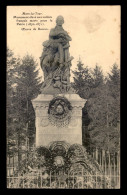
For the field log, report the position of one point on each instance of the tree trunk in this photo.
(86, 136)
(107, 117)
(19, 131)
(19, 150)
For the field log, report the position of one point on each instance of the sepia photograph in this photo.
(63, 96)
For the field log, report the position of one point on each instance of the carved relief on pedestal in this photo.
(44, 122)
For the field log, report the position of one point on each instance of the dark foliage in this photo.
(102, 109)
(23, 85)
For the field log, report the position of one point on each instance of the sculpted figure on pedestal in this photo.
(55, 58)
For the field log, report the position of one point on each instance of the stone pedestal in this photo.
(46, 132)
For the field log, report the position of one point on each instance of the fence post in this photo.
(37, 180)
(103, 154)
(97, 154)
(9, 159)
(100, 157)
(13, 163)
(82, 177)
(18, 179)
(114, 176)
(110, 168)
(41, 179)
(105, 165)
(50, 179)
(68, 178)
(96, 179)
(73, 179)
(23, 180)
(118, 168)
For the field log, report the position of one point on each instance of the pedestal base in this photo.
(46, 132)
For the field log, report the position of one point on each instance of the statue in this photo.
(55, 58)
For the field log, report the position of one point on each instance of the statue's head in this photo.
(59, 20)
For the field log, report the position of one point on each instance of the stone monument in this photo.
(58, 108)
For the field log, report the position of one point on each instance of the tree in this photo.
(98, 77)
(106, 113)
(23, 85)
(83, 81)
(29, 86)
(12, 63)
(102, 107)
(106, 138)
(83, 86)
(88, 83)
(113, 82)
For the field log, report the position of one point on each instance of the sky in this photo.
(95, 33)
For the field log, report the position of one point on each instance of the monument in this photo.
(58, 108)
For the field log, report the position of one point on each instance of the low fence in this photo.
(12, 160)
(110, 163)
(81, 181)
